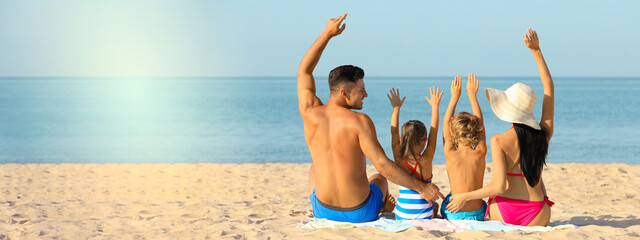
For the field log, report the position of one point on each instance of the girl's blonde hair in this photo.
(465, 129)
(413, 132)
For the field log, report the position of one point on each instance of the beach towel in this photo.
(442, 225)
(464, 225)
(389, 224)
(386, 222)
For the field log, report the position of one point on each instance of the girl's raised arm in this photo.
(434, 101)
(396, 103)
(546, 121)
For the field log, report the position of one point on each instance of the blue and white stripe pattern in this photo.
(411, 205)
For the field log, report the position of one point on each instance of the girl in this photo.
(519, 153)
(406, 152)
(464, 148)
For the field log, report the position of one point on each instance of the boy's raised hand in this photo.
(472, 84)
(531, 39)
(395, 98)
(455, 86)
(436, 95)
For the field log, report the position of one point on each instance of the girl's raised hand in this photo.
(436, 95)
(395, 98)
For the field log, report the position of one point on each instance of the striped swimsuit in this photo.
(410, 204)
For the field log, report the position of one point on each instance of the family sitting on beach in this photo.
(339, 139)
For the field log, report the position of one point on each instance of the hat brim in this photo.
(507, 111)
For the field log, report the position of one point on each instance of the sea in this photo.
(256, 120)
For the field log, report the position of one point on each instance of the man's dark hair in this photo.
(344, 76)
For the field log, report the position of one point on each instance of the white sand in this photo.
(262, 201)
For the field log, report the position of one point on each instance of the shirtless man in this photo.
(339, 139)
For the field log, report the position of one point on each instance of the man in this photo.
(339, 139)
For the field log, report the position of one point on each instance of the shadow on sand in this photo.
(602, 220)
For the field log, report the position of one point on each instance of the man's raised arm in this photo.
(306, 85)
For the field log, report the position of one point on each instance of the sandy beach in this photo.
(265, 201)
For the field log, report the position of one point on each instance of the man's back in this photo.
(340, 167)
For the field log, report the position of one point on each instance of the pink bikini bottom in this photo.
(516, 211)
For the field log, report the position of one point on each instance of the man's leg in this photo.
(389, 201)
(312, 179)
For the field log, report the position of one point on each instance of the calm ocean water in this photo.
(256, 120)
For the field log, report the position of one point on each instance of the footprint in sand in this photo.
(19, 219)
(147, 215)
(194, 218)
(256, 215)
(296, 213)
(261, 221)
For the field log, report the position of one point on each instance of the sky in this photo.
(268, 38)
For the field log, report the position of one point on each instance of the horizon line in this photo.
(272, 76)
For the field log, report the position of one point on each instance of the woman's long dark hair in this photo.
(533, 151)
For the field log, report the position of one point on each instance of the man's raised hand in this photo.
(333, 27)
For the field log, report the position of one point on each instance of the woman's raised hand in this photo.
(531, 39)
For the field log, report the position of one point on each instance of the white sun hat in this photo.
(514, 105)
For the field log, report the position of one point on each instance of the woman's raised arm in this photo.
(546, 121)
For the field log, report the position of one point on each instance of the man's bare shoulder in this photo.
(362, 119)
(349, 115)
(313, 113)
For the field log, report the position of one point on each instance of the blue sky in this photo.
(269, 38)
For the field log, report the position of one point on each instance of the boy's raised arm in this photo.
(306, 84)
(473, 84)
(455, 96)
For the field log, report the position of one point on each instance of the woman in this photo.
(517, 193)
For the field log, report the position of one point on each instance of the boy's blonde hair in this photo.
(465, 129)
